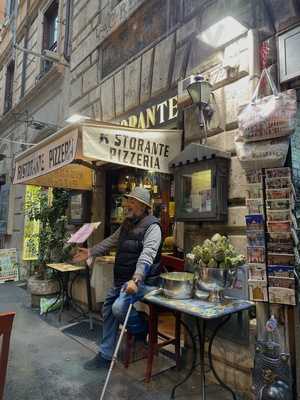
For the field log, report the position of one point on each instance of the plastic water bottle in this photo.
(271, 339)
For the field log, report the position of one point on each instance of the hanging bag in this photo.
(268, 117)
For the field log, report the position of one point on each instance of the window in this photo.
(50, 33)
(4, 204)
(51, 27)
(9, 7)
(9, 86)
(151, 21)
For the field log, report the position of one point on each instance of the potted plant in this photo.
(215, 264)
(50, 211)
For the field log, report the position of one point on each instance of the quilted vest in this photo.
(130, 246)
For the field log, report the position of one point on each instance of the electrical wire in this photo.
(16, 142)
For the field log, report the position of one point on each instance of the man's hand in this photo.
(130, 287)
(81, 255)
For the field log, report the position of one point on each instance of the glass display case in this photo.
(79, 210)
(201, 190)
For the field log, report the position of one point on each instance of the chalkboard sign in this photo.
(9, 269)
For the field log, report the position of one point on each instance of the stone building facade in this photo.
(126, 59)
(33, 95)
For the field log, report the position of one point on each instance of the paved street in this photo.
(45, 364)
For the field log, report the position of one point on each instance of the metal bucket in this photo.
(212, 282)
(177, 285)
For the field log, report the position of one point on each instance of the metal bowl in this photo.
(177, 285)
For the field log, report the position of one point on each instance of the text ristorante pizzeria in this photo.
(136, 151)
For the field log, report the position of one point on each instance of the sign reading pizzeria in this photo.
(55, 155)
(150, 150)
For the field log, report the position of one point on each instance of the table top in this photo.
(63, 267)
(200, 308)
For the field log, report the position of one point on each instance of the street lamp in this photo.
(200, 91)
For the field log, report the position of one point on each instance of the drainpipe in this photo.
(25, 54)
(69, 7)
(60, 19)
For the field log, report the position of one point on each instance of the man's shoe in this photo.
(98, 362)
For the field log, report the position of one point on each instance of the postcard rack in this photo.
(271, 226)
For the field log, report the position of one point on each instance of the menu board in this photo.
(84, 233)
(9, 270)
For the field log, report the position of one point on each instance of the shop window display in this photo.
(123, 180)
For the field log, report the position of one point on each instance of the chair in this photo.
(6, 321)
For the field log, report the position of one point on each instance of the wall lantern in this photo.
(200, 91)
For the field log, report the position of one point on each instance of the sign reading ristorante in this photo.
(153, 115)
(48, 158)
(150, 150)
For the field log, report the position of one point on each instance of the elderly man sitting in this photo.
(138, 242)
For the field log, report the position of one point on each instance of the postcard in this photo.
(283, 271)
(282, 296)
(256, 255)
(288, 283)
(284, 172)
(279, 226)
(278, 215)
(255, 206)
(258, 290)
(255, 221)
(257, 272)
(255, 238)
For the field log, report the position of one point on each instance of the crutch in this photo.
(114, 357)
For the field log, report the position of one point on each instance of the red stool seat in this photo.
(154, 346)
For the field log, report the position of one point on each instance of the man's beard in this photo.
(130, 222)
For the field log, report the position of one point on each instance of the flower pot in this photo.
(211, 283)
(41, 288)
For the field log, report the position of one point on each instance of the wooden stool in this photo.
(6, 321)
(154, 346)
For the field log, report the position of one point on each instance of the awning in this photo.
(196, 152)
(67, 158)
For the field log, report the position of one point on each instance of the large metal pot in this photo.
(212, 282)
(177, 285)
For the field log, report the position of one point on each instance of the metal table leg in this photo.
(75, 305)
(190, 372)
(218, 327)
(89, 295)
(60, 292)
(201, 326)
(64, 278)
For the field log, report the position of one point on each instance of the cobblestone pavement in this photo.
(45, 364)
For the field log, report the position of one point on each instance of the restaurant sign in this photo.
(56, 154)
(150, 150)
(152, 115)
